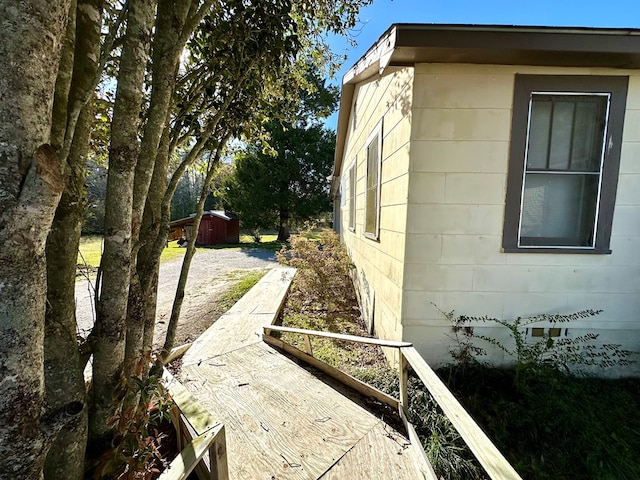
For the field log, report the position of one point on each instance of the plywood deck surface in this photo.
(283, 421)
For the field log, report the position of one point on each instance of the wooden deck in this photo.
(284, 421)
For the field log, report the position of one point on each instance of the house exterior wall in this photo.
(460, 137)
(379, 263)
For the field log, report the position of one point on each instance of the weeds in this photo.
(442, 443)
(549, 423)
(568, 354)
(243, 280)
(137, 438)
(322, 281)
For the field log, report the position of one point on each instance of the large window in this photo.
(352, 197)
(563, 170)
(372, 207)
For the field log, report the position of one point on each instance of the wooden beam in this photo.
(199, 418)
(338, 336)
(189, 457)
(218, 457)
(346, 379)
(415, 439)
(404, 381)
(494, 463)
(307, 344)
(177, 352)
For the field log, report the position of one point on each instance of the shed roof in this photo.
(405, 44)
(210, 213)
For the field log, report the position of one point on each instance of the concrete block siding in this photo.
(459, 165)
(446, 133)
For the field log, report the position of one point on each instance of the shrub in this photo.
(323, 278)
(137, 438)
(566, 354)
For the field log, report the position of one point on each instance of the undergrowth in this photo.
(136, 452)
(548, 417)
(553, 425)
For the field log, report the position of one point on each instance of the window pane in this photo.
(352, 197)
(372, 187)
(539, 134)
(558, 210)
(566, 132)
(587, 138)
(561, 130)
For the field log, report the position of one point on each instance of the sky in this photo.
(378, 17)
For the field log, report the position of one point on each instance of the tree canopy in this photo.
(282, 179)
(273, 189)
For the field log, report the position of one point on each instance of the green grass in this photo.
(91, 251)
(264, 238)
(243, 281)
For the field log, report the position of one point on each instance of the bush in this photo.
(136, 452)
(549, 423)
(323, 279)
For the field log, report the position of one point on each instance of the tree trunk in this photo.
(31, 183)
(188, 256)
(64, 379)
(148, 265)
(165, 54)
(283, 231)
(109, 353)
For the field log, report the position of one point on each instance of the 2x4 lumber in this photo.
(177, 352)
(346, 379)
(218, 457)
(189, 457)
(493, 462)
(339, 336)
(404, 381)
(197, 416)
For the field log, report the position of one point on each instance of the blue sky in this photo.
(377, 17)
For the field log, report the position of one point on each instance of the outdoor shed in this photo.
(216, 227)
(493, 171)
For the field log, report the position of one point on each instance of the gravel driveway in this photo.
(207, 276)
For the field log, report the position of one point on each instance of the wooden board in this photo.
(281, 421)
(382, 454)
(494, 463)
(242, 324)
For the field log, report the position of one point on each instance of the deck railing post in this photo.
(218, 457)
(404, 379)
(307, 344)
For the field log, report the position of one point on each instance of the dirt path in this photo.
(208, 276)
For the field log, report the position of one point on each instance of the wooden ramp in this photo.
(284, 421)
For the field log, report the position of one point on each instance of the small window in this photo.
(354, 116)
(352, 197)
(563, 170)
(374, 156)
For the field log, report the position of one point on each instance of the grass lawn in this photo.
(264, 238)
(91, 251)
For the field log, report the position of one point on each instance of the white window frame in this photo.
(603, 143)
(352, 196)
(374, 136)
